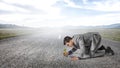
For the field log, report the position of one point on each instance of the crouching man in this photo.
(85, 45)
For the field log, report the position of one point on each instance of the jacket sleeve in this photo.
(71, 51)
(82, 54)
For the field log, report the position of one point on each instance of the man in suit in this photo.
(86, 45)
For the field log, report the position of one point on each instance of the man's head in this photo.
(68, 41)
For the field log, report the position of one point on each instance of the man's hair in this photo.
(66, 39)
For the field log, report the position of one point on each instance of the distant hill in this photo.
(110, 26)
(117, 25)
(10, 26)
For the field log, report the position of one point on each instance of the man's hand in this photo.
(65, 54)
(74, 58)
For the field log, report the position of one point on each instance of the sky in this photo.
(57, 13)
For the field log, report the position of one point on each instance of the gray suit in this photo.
(85, 44)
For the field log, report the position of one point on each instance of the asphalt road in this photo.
(44, 50)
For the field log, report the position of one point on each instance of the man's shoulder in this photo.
(77, 35)
(87, 33)
(92, 33)
(84, 35)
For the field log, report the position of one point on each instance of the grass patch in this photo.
(7, 33)
(113, 34)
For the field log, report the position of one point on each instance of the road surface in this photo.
(45, 50)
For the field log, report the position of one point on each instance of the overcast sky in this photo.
(39, 13)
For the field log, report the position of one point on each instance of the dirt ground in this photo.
(45, 50)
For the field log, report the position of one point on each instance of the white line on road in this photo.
(59, 37)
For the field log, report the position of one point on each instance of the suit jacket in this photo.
(83, 44)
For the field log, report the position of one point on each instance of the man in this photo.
(87, 45)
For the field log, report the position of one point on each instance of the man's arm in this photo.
(71, 51)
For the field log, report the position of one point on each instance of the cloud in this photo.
(57, 13)
(5, 12)
(26, 12)
(32, 9)
(105, 19)
(30, 19)
(106, 5)
(8, 7)
(44, 5)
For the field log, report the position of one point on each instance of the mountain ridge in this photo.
(117, 25)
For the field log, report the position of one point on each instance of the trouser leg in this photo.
(96, 40)
(102, 48)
